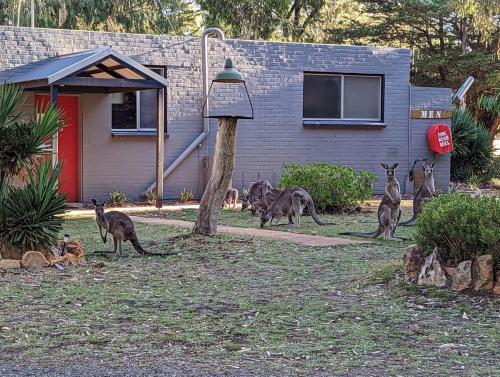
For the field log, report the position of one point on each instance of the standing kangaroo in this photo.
(389, 210)
(119, 225)
(231, 197)
(291, 202)
(423, 195)
(256, 192)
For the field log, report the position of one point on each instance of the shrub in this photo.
(150, 197)
(117, 199)
(472, 152)
(30, 215)
(185, 196)
(333, 187)
(492, 171)
(461, 226)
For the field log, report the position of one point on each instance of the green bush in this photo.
(333, 187)
(461, 226)
(185, 196)
(30, 215)
(117, 199)
(492, 171)
(472, 153)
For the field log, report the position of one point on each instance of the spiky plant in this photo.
(29, 213)
(21, 143)
(472, 150)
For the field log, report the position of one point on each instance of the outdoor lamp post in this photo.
(224, 155)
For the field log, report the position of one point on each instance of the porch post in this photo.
(160, 147)
(53, 101)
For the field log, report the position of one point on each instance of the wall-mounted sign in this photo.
(430, 114)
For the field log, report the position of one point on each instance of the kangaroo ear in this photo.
(94, 202)
(395, 165)
(432, 165)
(384, 166)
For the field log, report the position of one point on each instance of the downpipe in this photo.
(206, 122)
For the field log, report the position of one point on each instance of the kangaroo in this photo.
(230, 198)
(256, 192)
(291, 202)
(119, 225)
(411, 174)
(389, 210)
(266, 201)
(423, 195)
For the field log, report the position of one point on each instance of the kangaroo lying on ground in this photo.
(291, 202)
(389, 210)
(119, 225)
(230, 198)
(256, 192)
(423, 195)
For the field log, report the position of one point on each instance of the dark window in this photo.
(335, 96)
(136, 111)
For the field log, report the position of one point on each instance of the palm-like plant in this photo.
(29, 213)
(472, 151)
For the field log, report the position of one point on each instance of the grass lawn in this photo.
(231, 303)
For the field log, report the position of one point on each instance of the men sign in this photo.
(430, 114)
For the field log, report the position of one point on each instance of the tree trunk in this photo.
(222, 171)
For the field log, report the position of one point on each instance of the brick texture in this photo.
(274, 73)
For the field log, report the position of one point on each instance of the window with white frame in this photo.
(136, 111)
(342, 96)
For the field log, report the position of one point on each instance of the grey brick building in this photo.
(313, 102)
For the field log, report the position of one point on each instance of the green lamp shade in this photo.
(229, 74)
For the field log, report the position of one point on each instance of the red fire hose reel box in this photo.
(439, 138)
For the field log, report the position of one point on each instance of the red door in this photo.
(67, 146)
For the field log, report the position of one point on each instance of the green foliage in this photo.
(30, 214)
(185, 196)
(334, 187)
(150, 197)
(461, 226)
(21, 143)
(117, 199)
(472, 152)
(135, 16)
(492, 172)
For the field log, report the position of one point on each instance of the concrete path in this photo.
(302, 239)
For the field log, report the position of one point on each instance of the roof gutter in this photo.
(206, 122)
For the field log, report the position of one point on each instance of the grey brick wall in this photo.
(274, 73)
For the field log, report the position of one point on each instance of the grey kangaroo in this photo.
(119, 225)
(231, 198)
(266, 201)
(256, 192)
(291, 202)
(423, 195)
(389, 210)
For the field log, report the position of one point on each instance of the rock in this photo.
(432, 273)
(482, 273)
(450, 271)
(412, 259)
(496, 288)
(462, 279)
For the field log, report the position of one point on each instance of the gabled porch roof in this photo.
(100, 70)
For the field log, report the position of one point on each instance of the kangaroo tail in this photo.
(375, 234)
(410, 222)
(314, 215)
(137, 246)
